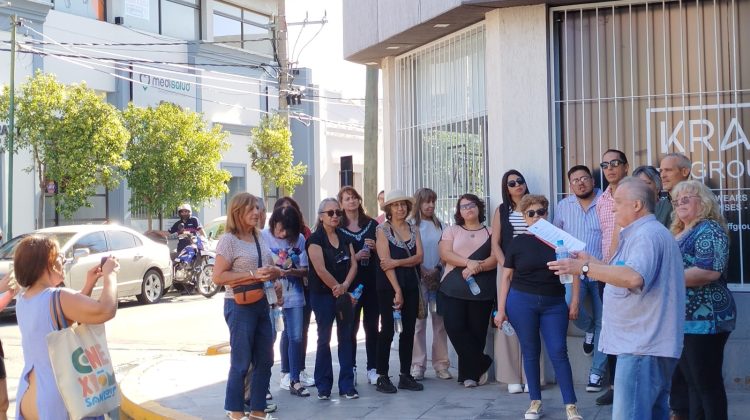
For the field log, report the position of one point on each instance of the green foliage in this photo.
(174, 157)
(272, 155)
(75, 137)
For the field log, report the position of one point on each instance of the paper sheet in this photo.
(550, 234)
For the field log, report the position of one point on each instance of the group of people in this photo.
(648, 291)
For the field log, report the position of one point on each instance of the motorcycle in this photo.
(193, 267)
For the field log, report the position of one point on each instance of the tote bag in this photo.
(83, 369)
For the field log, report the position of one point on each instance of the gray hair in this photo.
(322, 206)
(682, 161)
(639, 191)
(651, 173)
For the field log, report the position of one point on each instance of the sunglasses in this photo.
(341, 257)
(467, 206)
(683, 201)
(581, 180)
(331, 213)
(613, 163)
(540, 212)
(519, 181)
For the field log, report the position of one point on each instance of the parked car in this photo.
(145, 266)
(214, 229)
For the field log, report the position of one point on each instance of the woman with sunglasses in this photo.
(534, 300)
(507, 223)
(400, 250)
(711, 313)
(467, 251)
(331, 275)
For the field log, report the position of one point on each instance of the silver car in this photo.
(145, 266)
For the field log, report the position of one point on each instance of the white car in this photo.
(214, 229)
(145, 266)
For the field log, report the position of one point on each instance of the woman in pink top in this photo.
(467, 252)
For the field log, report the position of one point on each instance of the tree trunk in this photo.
(150, 221)
(42, 190)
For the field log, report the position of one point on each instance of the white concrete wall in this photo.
(388, 146)
(517, 98)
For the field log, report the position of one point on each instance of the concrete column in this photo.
(388, 74)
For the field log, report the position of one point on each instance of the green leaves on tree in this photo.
(272, 155)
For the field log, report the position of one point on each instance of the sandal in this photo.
(297, 389)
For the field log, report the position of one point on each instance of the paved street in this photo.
(159, 351)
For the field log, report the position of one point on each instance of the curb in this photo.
(216, 349)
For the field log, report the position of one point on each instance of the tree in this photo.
(76, 139)
(272, 155)
(174, 158)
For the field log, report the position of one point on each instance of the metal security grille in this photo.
(650, 78)
(441, 119)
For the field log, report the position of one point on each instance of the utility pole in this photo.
(12, 121)
(370, 176)
(281, 33)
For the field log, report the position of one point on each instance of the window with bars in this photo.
(654, 78)
(441, 119)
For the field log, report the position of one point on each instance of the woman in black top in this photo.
(359, 228)
(400, 251)
(534, 300)
(331, 274)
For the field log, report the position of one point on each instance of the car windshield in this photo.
(8, 248)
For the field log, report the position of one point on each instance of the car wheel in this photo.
(152, 287)
(206, 286)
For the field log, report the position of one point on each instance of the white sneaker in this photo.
(470, 383)
(306, 380)
(534, 411)
(417, 372)
(526, 388)
(515, 388)
(372, 376)
(285, 382)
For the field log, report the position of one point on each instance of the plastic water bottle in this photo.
(270, 292)
(357, 293)
(561, 252)
(432, 301)
(278, 318)
(398, 325)
(364, 262)
(505, 326)
(473, 286)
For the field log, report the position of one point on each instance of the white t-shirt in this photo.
(430, 235)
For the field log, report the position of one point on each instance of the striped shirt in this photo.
(582, 223)
(605, 210)
(518, 223)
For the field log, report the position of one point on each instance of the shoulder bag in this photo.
(247, 294)
(81, 364)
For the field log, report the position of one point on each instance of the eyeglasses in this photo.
(518, 181)
(331, 213)
(467, 206)
(683, 201)
(581, 180)
(539, 212)
(613, 163)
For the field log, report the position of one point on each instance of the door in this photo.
(122, 245)
(96, 243)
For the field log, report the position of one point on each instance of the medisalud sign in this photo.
(715, 138)
(152, 86)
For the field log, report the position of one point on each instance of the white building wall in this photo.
(517, 98)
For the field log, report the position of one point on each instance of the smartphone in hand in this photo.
(101, 264)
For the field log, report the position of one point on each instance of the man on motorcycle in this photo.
(188, 223)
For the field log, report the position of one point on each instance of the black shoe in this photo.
(385, 385)
(588, 344)
(408, 382)
(351, 395)
(606, 398)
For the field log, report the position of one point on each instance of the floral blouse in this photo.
(709, 309)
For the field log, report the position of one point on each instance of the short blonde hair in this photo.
(709, 205)
(529, 200)
(237, 209)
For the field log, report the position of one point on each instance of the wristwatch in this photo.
(584, 271)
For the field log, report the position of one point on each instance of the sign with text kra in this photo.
(714, 137)
(153, 86)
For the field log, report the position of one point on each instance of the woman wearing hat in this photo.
(400, 250)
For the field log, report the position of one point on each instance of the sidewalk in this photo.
(192, 387)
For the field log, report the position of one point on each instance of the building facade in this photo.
(472, 89)
(209, 56)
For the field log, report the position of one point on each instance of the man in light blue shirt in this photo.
(644, 313)
(576, 214)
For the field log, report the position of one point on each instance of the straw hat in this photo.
(394, 196)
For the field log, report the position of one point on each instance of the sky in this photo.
(324, 54)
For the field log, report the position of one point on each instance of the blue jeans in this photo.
(642, 386)
(251, 340)
(324, 307)
(292, 352)
(590, 322)
(529, 314)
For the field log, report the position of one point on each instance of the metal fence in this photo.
(441, 119)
